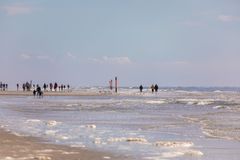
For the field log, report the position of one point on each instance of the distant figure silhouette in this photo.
(152, 88)
(141, 88)
(34, 92)
(39, 91)
(156, 88)
(55, 86)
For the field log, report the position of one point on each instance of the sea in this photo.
(176, 123)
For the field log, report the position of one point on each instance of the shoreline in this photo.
(58, 93)
(31, 148)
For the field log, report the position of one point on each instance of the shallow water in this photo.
(172, 124)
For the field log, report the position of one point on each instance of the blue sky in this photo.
(172, 43)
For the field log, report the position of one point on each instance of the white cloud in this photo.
(25, 56)
(228, 18)
(113, 60)
(70, 55)
(16, 9)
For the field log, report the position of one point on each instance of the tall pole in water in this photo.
(116, 84)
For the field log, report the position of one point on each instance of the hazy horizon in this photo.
(87, 43)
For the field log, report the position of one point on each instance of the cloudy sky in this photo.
(172, 43)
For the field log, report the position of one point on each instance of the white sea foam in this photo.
(62, 137)
(79, 145)
(121, 139)
(33, 121)
(72, 105)
(199, 102)
(97, 141)
(51, 132)
(52, 123)
(172, 154)
(137, 140)
(156, 102)
(174, 144)
(130, 139)
(193, 153)
(220, 107)
(69, 153)
(44, 151)
(93, 126)
(217, 91)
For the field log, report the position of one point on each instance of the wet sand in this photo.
(28, 148)
(53, 93)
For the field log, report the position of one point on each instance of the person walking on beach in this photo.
(34, 92)
(152, 88)
(17, 87)
(44, 86)
(39, 91)
(156, 88)
(141, 88)
(51, 86)
(3, 86)
(55, 86)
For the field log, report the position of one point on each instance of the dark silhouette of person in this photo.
(17, 87)
(156, 88)
(3, 86)
(44, 86)
(152, 88)
(141, 88)
(51, 86)
(39, 91)
(34, 92)
(55, 86)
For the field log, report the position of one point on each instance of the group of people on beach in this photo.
(3, 86)
(46, 87)
(37, 90)
(153, 87)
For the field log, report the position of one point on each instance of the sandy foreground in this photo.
(14, 147)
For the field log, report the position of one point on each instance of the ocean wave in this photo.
(199, 102)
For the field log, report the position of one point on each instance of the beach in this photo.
(173, 124)
(53, 93)
(25, 147)
(29, 148)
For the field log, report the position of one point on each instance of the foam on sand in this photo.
(51, 132)
(174, 144)
(33, 121)
(93, 126)
(136, 139)
(156, 102)
(130, 139)
(178, 149)
(220, 107)
(52, 123)
(199, 102)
